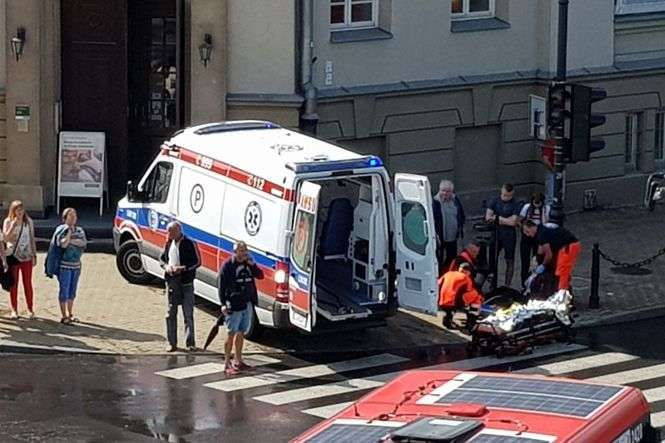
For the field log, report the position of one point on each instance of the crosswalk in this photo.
(323, 389)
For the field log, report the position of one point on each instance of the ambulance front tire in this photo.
(129, 263)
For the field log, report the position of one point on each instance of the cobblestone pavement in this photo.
(121, 318)
(118, 317)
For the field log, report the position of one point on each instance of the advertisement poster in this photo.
(81, 164)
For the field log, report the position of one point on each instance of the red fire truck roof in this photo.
(492, 407)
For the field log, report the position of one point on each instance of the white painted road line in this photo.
(328, 411)
(578, 364)
(632, 376)
(212, 368)
(657, 419)
(359, 384)
(655, 394)
(235, 384)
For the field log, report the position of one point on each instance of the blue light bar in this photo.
(369, 161)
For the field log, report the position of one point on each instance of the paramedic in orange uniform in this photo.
(457, 290)
(558, 247)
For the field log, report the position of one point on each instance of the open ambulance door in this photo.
(415, 241)
(302, 305)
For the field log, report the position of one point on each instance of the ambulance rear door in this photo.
(302, 302)
(415, 241)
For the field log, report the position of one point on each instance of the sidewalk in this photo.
(121, 318)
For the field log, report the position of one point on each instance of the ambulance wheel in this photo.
(651, 205)
(255, 329)
(129, 263)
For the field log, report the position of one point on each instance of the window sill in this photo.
(639, 17)
(359, 35)
(478, 24)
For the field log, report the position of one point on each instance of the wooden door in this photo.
(154, 78)
(94, 77)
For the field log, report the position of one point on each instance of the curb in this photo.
(622, 317)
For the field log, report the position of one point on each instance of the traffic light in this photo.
(583, 120)
(559, 113)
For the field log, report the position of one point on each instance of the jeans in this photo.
(549, 188)
(178, 293)
(528, 249)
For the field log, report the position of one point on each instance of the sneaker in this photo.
(13, 315)
(191, 348)
(170, 348)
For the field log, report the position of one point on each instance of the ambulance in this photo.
(338, 246)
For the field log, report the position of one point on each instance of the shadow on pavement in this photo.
(41, 332)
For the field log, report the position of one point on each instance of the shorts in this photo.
(68, 279)
(238, 321)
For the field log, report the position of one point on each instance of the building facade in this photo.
(435, 87)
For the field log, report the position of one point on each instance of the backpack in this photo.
(53, 256)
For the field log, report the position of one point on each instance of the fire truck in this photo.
(477, 407)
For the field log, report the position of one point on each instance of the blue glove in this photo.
(539, 269)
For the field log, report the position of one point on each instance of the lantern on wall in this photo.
(205, 49)
(18, 42)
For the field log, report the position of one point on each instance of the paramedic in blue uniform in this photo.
(504, 212)
(237, 294)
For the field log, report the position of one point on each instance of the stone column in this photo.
(31, 82)
(208, 85)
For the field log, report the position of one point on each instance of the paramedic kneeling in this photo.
(558, 247)
(457, 291)
(237, 293)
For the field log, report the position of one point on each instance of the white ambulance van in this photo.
(337, 246)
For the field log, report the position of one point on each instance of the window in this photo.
(353, 13)
(639, 6)
(659, 136)
(156, 186)
(633, 138)
(462, 9)
(414, 220)
(302, 240)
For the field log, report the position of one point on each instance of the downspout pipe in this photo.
(309, 118)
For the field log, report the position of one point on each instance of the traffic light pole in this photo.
(557, 214)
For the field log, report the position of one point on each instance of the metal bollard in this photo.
(594, 299)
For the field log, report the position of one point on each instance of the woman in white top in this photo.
(538, 212)
(21, 251)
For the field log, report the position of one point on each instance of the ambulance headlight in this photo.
(381, 296)
(280, 277)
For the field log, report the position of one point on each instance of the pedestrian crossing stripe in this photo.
(326, 390)
(236, 384)
(359, 384)
(186, 372)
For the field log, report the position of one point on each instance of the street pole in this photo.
(557, 214)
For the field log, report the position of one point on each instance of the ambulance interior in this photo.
(351, 271)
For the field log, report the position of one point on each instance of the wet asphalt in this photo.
(91, 398)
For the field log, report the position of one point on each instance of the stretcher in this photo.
(535, 324)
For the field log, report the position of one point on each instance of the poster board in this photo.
(82, 165)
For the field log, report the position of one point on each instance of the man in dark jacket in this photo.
(449, 222)
(179, 261)
(237, 293)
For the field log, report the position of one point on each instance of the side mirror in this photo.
(132, 192)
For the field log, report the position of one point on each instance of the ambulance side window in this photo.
(156, 186)
(414, 218)
(302, 240)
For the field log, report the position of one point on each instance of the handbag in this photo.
(11, 259)
(6, 279)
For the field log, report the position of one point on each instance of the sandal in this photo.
(13, 315)
(231, 371)
(65, 320)
(242, 366)
(73, 319)
(31, 316)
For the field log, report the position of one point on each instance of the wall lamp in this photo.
(205, 49)
(18, 42)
